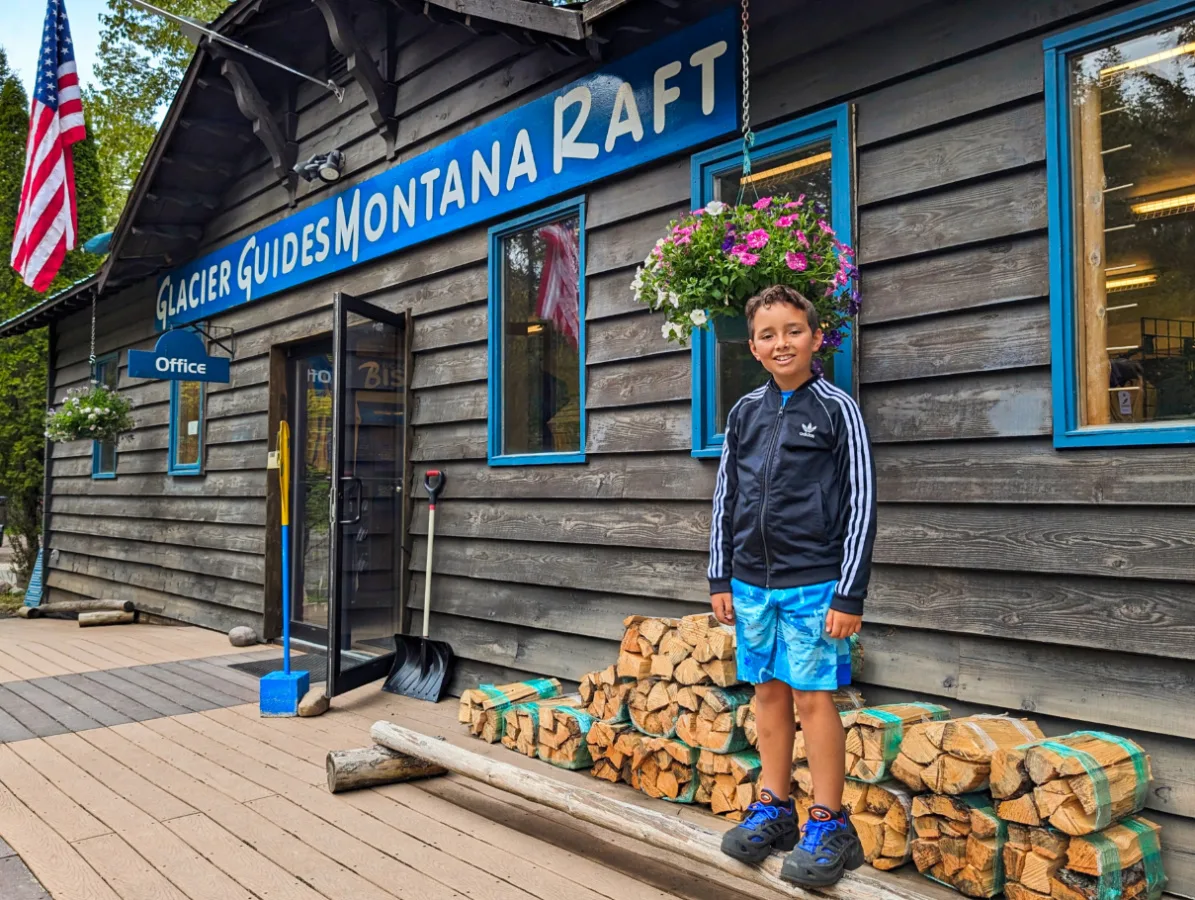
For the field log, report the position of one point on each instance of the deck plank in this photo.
(126, 870)
(149, 677)
(11, 730)
(27, 714)
(221, 678)
(63, 872)
(136, 712)
(44, 796)
(91, 706)
(72, 718)
(168, 674)
(114, 680)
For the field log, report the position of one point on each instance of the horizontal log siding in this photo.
(1008, 576)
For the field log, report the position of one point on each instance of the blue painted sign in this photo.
(680, 92)
(178, 356)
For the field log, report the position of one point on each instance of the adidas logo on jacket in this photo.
(794, 503)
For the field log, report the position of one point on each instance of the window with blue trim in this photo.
(537, 338)
(809, 156)
(1120, 112)
(186, 426)
(103, 453)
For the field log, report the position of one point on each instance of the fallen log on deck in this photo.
(73, 607)
(90, 619)
(665, 832)
(349, 770)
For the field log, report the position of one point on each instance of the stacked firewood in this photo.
(654, 708)
(708, 718)
(729, 782)
(881, 813)
(845, 699)
(959, 842)
(666, 769)
(564, 737)
(690, 651)
(604, 695)
(482, 707)
(1122, 861)
(1079, 783)
(954, 756)
(873, 736)
(612, 746)
(520, 731)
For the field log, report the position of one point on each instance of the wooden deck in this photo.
(217, 803)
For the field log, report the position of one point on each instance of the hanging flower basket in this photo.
(715, 259)
(92, 413)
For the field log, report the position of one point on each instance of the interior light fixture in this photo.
(1130, 282)
(534, 329)
(327, 167)
(1160, 56)
(807, 163)
(1168, 207)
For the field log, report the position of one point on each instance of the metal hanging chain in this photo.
(91, 357)
(748, 134)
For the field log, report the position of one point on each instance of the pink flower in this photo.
(758, 239)
(840, 278)
(699, 212)
(748, 259)
(830, 291)
(793, 205)
(764, 203)
(796, 261)
(786, 221)
(737, 249)
(824, 226)
(802, 239)
(684, 239)
(687, 230)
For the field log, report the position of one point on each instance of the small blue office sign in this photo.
(178, 356)
(664, 99)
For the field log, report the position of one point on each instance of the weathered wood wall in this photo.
(1009, 576)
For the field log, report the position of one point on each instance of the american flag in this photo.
(46, 219)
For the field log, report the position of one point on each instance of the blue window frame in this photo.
(537, 337)
(188, 400)
(814, 150)
(1122, 199)
(103, 453)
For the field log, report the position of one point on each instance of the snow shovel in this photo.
(422, 667)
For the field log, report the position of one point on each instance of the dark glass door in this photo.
(370, 360)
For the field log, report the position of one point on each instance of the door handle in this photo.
(353, 482)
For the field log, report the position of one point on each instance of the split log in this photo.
(881, 813)
(712, 726)
(612, 746)
(604, 695)
(712, 657)
(1032, 858)
(955, 756)
(520, 729)
(729, 782)
(641, 638)
(654, 708)
(481, 708)
(960, 842)
(666, 769)
(873, 736)
(845, 699)
(92, 619)
(1122, 862)
(668, 833)
(74, 607)
(1080, 783)
(350, 770)
(563, 737)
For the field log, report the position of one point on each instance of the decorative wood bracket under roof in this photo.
(283, 152)
(380, 94)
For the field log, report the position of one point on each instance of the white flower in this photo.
(699, 317)
(661, 298)
(715, 207)
(660, 242)
(674, 300)
(671, 329)
(637, 283)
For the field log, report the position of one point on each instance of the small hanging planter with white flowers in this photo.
(91, 413)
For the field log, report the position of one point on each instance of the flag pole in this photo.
(193, 28)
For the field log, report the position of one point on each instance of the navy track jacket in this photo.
(795, 503)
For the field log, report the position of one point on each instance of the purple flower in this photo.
(728, 243)
(817, 207)
(832, 338)
(852, 307)
(764, 203)
(748, 259)
(818, 369)
(796, 261)
(758, 239)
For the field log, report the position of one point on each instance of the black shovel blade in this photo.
(421, 668)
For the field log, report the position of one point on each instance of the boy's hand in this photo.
(842, 625)
(723, 605)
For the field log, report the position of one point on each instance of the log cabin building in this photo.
(1016, 175)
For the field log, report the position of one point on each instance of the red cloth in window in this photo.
(559, 286)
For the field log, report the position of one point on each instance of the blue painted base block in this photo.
(281, 693)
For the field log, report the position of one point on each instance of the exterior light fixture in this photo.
(327, 167)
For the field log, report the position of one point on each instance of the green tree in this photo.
(23, 358)
(142, 59)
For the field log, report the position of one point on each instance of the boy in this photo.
(790, 557)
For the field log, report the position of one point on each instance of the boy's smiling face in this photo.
(783, 343)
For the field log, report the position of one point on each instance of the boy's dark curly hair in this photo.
(781, 293)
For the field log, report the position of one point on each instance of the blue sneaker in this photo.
(770, 825)
(828, 847)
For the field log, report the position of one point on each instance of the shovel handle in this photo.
(433, 483)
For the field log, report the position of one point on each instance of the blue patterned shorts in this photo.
(781, 636)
